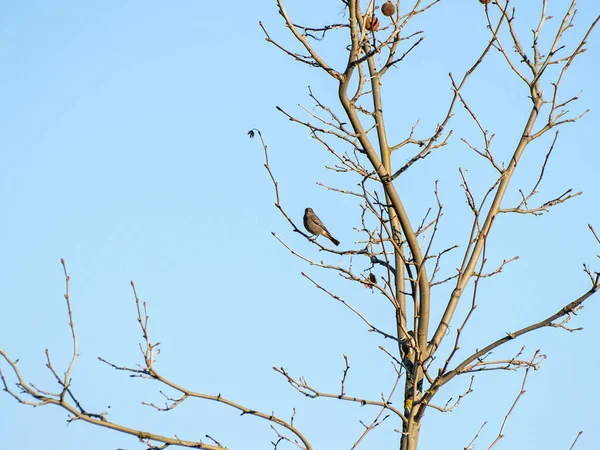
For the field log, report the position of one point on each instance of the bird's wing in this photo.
(318, 222)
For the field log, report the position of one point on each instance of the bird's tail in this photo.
(332, 239)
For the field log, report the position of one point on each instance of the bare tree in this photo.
(395, 254)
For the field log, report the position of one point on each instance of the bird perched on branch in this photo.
(314, 226)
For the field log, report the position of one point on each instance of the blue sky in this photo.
(123, 150)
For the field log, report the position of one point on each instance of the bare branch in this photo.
(304, 388)
(575, 441)
(521, 393)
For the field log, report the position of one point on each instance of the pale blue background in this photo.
(123, 149)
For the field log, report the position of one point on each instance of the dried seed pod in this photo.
(372, 278)
(372, 23)
(388, 9)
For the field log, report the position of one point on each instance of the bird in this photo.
(313, 225)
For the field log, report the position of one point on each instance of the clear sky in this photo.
(123, 150)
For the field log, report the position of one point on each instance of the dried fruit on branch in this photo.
(388, 9)
(372, 23)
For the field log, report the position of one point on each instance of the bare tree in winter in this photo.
(421, 278)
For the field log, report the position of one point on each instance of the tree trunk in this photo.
(410, 435)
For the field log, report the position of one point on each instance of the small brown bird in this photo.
(314, 226)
